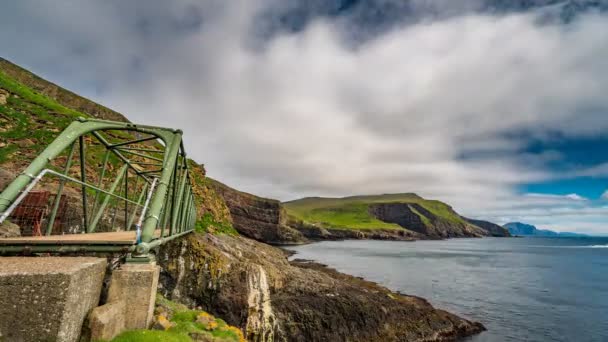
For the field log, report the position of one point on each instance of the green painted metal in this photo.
(57, 201)
(83, 178)
(139, 154)
(104, 165)
(180, 195)
(63, 249)
(106, 200)
(172, 147)
(132, 141)
(171, 201)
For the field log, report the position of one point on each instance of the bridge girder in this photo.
(172, 187)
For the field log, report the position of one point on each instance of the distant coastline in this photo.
(518, 229)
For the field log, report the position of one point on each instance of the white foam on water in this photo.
(588, 246)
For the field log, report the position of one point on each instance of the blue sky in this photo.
(497, 108)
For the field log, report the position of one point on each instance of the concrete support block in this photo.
(107, 321)
(47, 299)
(136, 285)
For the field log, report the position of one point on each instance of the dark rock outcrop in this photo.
(316, 233)
(402, 214)
(253, 286)
(415, 217)
(492, 229)
(258, 218)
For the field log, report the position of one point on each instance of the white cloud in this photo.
(605, 195)
(576, 197)
(308, 114)
(572, 197)
(600, 170)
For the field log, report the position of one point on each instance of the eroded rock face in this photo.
(253, 286)
(491, 228)
(316, 233)
(402, 214)
(414, 217)
(258, 218)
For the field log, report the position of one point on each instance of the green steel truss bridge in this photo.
(101, 187)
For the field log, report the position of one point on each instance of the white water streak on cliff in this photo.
(181, 265)
(260, 321)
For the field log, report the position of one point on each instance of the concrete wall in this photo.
(47, 299)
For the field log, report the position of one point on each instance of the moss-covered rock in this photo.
(176, 322)
(209, 202)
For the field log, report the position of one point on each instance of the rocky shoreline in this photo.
(252, 285)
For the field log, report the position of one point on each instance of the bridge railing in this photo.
(103, 176)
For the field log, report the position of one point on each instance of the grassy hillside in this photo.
(353, 212)
(58, 94)
(28, 120)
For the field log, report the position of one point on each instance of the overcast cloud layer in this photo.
(431, 107)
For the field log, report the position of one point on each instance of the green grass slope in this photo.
(353, 212)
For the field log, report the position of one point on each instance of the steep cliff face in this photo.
(253, 286)
(407, 215)
(205, 194)
(415, 217)
(316, 232)
(259, 218)
(492, 229)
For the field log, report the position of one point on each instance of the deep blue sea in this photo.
(521, 289)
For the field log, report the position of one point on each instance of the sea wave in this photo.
(585, 246)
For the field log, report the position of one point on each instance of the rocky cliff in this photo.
(415, 217)
(383, 217)
(253, 286)
(258, 218)
(316, 232)
(492, 229)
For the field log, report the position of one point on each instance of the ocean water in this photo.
(521, 289)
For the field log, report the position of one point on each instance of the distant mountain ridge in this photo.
(523, 229)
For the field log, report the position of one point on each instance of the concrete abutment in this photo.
(50, 298)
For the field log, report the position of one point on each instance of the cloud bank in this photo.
(439, 106)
